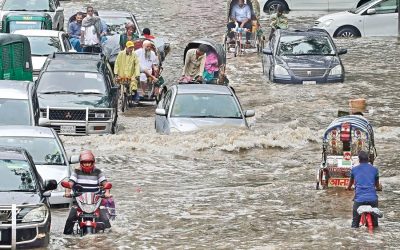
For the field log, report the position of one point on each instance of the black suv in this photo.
(77, 95)
(21, 184)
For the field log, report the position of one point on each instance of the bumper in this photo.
(308, 81)
(28, 235)
(81, 128)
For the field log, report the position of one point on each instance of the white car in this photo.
(270, 6)
(375, 18)
(47, 151)
(52, 7)
(44, 43)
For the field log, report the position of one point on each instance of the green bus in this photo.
(15, 58)
(25, 21)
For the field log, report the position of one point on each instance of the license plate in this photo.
(309, 82)
(67, 129)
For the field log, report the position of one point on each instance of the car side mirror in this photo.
(342, 51)
(267, 52)
(371, 11)
(161, 112)
(74, 159)
(59, 9)
(50, 185)
(249, 113)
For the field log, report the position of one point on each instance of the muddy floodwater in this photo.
(230, 188)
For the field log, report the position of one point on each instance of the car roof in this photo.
(51, 33)
(203, 89)
(14, 89)
(114, 13)
(26, 131)
(12, 153)
(76, 62)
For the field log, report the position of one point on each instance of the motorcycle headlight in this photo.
(281, 71)
(36, 215)
(88, 208)
(336, 71)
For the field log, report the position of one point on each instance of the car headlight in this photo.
(336, 71)
(36, 215)
(279, 70)
(326, 23)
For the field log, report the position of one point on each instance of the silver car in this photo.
(52, 7)
(187, 107)
(47, 151)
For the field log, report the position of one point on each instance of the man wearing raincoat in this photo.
(127, 66)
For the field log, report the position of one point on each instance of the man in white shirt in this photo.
(240, 14)
(147, 58)
(90, 32)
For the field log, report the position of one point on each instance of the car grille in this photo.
(69, 115)
(309, 72)
(78, 129)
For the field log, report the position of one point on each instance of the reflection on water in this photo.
(234, 188)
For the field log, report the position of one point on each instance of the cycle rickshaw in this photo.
(344, 138)
(257, 38)
(218, 76)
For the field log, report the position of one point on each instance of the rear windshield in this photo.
(25, 25)
(14, 112)
(44, 45)
(73, 82)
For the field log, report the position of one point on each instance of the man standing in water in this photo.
(365, 178)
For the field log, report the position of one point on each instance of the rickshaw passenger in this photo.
(194, 64)
(147, 34)
(147, 58)
(104, 28)
(240, 13)
(74, 32)
(129, 35)
(211, 66)
(91, 30)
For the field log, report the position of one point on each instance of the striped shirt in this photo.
(89, 182)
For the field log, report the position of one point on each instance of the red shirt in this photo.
(148, 36)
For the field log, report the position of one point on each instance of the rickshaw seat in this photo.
(369, 209)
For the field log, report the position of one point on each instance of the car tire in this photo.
(348, 32)
(272, 6)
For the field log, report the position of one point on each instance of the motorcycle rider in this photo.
(90, 178)
(365, 178)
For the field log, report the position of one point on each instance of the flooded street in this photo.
(243, 189)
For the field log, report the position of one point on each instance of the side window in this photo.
(386, 7)
(167, 100)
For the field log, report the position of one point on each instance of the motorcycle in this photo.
(89, 208)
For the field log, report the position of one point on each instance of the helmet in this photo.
(86, 159)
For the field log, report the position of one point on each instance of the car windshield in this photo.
(71, 82)
(205, 106)
(14, 112)
(35, 5)
(116, 24)
(44, 151)
(25, 25)
(44, 45)
(16, 175)
(305, 45)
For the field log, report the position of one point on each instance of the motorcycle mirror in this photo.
(108, 185)
(65, 184)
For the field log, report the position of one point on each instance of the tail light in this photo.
(345, 132)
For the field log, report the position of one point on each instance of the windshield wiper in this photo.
(19, 190)
(49, 163)
(40, 54)
(212, 116)
(89, 93)
(19, 10)
(58, 92)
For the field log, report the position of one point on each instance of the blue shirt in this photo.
(240, 14)
(365, 175)
(74, 29)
